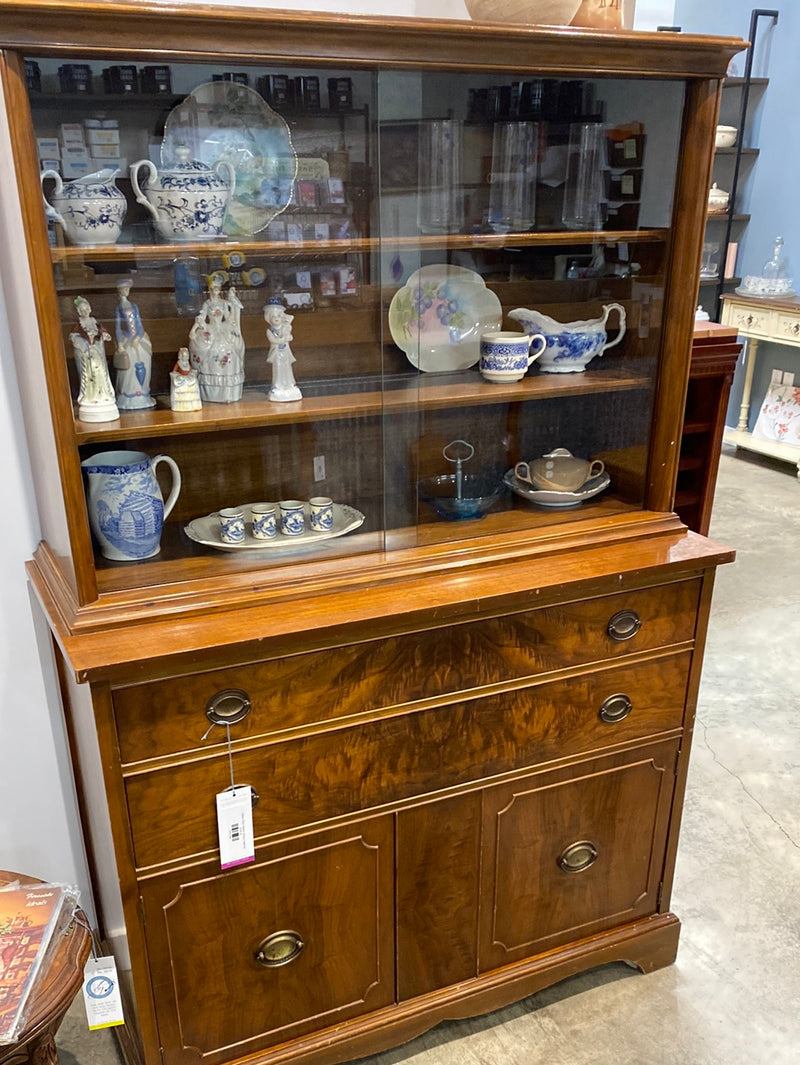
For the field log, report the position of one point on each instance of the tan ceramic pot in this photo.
(598, 14)
(534, 12)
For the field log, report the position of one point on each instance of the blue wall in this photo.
(770, 193)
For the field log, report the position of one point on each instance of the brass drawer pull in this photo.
(577, 857)
(615, 708)
(279, 948)
(623, 625)
(228, 706)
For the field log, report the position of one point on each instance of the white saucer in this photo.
(557, 500)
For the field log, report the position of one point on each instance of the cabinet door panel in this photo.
(438, 856)
(390, 760)
(569, 854)
(166, 717)
(214, 999)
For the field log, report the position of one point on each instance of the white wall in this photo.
(38, 827)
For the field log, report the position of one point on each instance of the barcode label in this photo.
(235, 826)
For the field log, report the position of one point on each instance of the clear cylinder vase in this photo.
(583, 191)
(440, 196)
(512, 181)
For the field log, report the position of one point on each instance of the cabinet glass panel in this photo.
(511, 205)
(396, 218)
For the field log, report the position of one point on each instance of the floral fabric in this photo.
(779, 417)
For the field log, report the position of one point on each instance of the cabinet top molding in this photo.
(106, 28)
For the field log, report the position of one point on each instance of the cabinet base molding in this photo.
(646, 945)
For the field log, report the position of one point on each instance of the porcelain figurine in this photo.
(126, 508)
(188, 201)
(216, 346)
(90, 209)
(95, 396)
(280, 357)
(570, 345)
(133, 359)
(184, 390)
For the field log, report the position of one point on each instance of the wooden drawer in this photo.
(168, 717)
(336, 890)
(312, 778)
(788, 328)
(618, 806)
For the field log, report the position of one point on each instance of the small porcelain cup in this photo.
(558, 471)
(293, 518)
(231, 525)
(505, 357)
(265, 520)
(321, 513)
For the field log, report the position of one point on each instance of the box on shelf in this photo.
(120, 79)
(156, 79)
(71, 134)
(105, 138)
(48, 147)
(75, 77)
(114, 162)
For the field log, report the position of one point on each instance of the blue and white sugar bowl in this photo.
(188, 201)
(570, 345)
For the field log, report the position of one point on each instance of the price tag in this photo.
(101, 993)
(235, 826)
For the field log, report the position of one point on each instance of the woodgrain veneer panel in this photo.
(204, 928)
(314, 778)
(618, 805)
(438, 847)
(168, 717)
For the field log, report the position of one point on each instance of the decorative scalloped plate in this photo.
(438, 316)
(225, 121)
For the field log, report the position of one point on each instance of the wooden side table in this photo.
(777, 321)
(57, 985)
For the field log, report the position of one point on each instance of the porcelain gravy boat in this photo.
(570, 345)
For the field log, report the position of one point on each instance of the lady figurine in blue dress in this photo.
(133, 358)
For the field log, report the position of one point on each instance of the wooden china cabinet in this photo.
(467, 739)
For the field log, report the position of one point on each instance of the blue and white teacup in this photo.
(505, 357)
(321, 513)
(265, 520)
(293, 518)
(231, 525)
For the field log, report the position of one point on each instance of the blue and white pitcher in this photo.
(90, 209)
(126, 508)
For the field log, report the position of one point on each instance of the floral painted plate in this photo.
(205, 531)
(222, 120)
(438, 316)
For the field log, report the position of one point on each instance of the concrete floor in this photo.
(733, 996)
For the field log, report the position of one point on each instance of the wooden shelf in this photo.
(418, 392)
(212, 249)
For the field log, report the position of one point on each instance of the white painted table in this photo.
(777, 321)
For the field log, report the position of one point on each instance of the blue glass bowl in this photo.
(479, 492)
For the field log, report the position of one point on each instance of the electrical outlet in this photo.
(319, 467)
